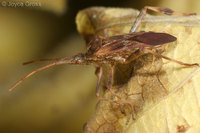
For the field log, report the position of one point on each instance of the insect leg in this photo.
(100, 72)
(133, 57)
(122, 100)
(162, 10)
(170, 59)
(99, 82)
(110, 81)
(105, 31)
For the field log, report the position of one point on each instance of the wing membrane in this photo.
(132, 42)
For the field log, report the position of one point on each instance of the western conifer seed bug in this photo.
(118, 49)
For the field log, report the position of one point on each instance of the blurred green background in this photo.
(62, 98)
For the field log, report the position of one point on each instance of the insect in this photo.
(118, 49)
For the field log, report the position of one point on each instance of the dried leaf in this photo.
(165, 95)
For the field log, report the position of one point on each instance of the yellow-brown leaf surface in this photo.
(165, 95)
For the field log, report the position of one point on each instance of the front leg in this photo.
(99, 71)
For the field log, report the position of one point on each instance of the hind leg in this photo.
(162, 10)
